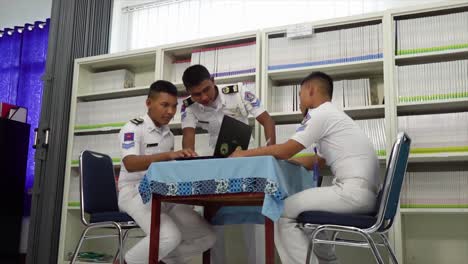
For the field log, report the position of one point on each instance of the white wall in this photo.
(19, 12)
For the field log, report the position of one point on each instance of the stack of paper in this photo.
(178, 68)
(375, 130)
(226, 60)
(346, 94)
(436, 133)
(433, 81)
(432, 33)
(330, 47)
(435, 189)
(110, 111)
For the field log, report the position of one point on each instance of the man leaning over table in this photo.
(183, 232)
(206, 108)
(344, 147)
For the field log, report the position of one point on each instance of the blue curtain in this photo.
(10, 52)
(20, 79)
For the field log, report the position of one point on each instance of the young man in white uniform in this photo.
(184, 233)
(344, 147)
(206, 108)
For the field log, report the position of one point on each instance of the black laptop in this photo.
(232, 134)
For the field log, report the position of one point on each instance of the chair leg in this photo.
(309, 250)
(77, 250)
(120, 248)
(373, 248)
(121, 255)
(389, 249)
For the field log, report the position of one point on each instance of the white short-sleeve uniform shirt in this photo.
(341, 142)
(142, 137)
(233, 100)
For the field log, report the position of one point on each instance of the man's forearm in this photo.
(134, 163)
(268, 127)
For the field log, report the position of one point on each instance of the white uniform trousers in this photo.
(183, 232)
(291, 242)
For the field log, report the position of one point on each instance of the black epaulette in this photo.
(137, 121)
(230, 89)
(188, 102)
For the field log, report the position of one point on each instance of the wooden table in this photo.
(212, 203)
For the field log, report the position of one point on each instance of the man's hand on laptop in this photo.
(182, 154)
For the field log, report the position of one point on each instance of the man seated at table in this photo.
(344, 147)
(183, 232)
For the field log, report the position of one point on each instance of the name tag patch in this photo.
(128, 145)
(152, 145)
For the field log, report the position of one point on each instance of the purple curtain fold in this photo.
(21, 69)
(10, 54)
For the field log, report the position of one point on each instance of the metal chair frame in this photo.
(383, 222)
(122, 228)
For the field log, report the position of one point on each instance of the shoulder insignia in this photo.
(137, 121)
(230, 89)
(188, 102)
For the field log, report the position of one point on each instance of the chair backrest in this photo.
(97, 183)
(395, 173)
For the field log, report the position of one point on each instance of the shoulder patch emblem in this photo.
(249, 96)
(306, 118)
(137, 121)
(129, 136)
(230, 89)
(187, 102)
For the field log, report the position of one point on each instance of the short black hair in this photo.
(162, 86)
(325, 80)
(194, 75)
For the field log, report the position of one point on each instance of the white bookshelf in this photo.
(143, 65)
(416, 228)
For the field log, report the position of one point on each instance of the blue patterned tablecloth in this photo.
(276, 178)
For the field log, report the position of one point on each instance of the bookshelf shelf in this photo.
(349, 69)
(434, 56)
(439, 157)
(365, 112)
(121, 93)
(417, 211)
(433, 107)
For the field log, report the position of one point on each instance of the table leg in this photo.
(154, 233)
(269, 241)
(208, 213)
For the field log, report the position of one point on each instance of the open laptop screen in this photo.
(232, 134)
